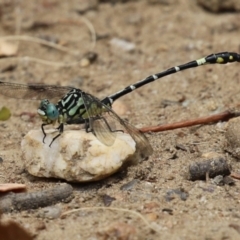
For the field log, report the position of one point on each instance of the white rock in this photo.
(76, 155)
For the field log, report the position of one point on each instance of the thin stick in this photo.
(92, 31)
(87, 23)
(41, 61)
(113, 209)
(223, 116)
(39, 41)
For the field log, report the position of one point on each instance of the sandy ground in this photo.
(164, 34)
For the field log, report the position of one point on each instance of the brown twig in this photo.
(223, 116)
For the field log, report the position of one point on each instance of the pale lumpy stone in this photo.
(75, 156)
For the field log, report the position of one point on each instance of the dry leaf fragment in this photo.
(7, 187)
(13, 231)
(8, 49)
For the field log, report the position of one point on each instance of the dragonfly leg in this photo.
(60, 129)
(109, 127)
(88, 126)
(44, 134)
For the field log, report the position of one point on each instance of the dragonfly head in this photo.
(48, 112)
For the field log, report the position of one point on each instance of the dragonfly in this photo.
(78, 107)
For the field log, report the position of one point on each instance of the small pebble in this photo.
(123, 44)
(218, 180)
(171, 194)
(151, 216)
(88, 58)
(129, 186)
(51, 212)
(40, 226)
(107, 200)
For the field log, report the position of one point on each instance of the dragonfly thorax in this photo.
(72, 105)
(48, 111)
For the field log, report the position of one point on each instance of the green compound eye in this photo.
(51, 112)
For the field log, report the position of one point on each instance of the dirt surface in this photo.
(164, 34)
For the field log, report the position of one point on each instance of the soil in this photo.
(164, 34)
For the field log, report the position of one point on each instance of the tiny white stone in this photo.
(123, 44)
(75, 156)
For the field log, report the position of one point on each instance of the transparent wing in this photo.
(141, 140)
(142, 143)
(32, 91)
(101, 127)
(104, 131)
(98, 111)
(93, 106)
